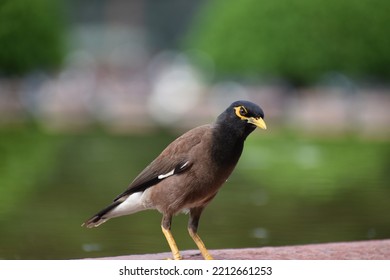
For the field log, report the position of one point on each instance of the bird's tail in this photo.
(100, 217)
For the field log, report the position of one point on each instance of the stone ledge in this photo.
(360, 250)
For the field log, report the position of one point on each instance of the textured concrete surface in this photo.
(362, 250)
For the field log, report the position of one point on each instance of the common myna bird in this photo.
(187, 175)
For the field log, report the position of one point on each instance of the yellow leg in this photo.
(206, 255)
(171, 243)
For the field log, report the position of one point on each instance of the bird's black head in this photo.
(249, 113)
(232, 128)
(243, 116)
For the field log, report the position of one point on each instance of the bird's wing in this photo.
(175, 159)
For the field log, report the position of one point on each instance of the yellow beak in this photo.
(259, 122)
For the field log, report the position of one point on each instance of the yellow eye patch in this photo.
(241, 111)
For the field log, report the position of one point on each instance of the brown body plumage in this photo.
(187, 175)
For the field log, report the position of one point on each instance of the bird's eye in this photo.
(243, 111)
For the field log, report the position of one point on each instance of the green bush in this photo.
(30, 35)
(299, 40)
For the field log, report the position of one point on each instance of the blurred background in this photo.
(91, 91)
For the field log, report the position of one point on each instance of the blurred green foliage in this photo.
(315, 167)
(31, 35)
(27, 158)
(300, 40)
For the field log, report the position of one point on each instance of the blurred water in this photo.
(283, 192)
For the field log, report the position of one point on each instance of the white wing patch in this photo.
(177, 169)
(170, 173)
